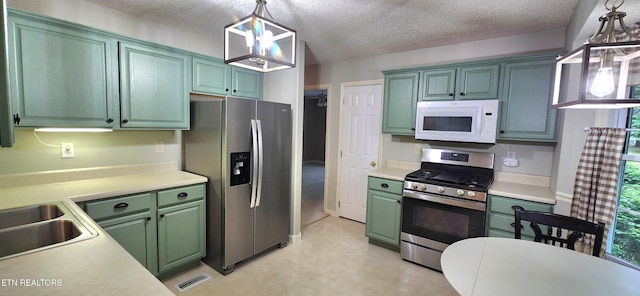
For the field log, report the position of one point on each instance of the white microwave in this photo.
(460, 121)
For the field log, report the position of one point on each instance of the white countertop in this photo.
(505, 266)
(391, 173)
(97, 266)
(523, 191)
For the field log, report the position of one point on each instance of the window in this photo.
(624, 238)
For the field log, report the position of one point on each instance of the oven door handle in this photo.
(473, 205)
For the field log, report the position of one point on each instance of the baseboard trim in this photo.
(294, 239)
(332, 213)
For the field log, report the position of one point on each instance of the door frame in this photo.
(340, 129)
(326, 142)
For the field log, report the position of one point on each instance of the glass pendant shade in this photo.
(602, 73)
(598, 76)
(258, 43)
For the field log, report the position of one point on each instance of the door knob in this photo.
(373, 164)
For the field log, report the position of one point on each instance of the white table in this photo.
(505, 266)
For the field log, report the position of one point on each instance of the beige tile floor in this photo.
(333, 258)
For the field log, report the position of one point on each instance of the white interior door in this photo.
(359, 137)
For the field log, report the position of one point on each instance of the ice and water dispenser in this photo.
(240, 168)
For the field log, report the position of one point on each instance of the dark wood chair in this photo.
(556, 224)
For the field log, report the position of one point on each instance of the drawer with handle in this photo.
(180, 195)
(386, 185)
(120, 206)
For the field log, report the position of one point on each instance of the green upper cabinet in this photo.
(7, 137)
(61, 75)
(438, 85)
(525, 107)
(461, 83)
(246, 83)
(400, 98)
(154, 90)
(212, 76)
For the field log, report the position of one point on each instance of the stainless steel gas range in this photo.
(444, 202)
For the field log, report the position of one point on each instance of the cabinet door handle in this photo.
(161, 216)
(502, 132)
(110, 120)
(125, 120)
(226, 89)
(148, 218)
(384, 185)
(182, 195)
(234, 90)
(398, 201)
(451, 94)
(16, 119)
(121, 205)
(462, 94)
(513, 224)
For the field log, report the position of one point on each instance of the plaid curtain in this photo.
(595, 189)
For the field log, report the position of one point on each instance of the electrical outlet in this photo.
(510, 162)
(159, 146)
(67, 150)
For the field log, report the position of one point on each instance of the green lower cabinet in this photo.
(164, 230)
(384, 198)
(181, 235)
(137, 235)
(500, 216)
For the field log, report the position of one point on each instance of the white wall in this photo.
(91, 150)
(535, 159)
(285, 86)
(572, 122)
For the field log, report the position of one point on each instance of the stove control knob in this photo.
(414, 186)
(422, 187)
(471, 194)
(440, 189)
(460, 192)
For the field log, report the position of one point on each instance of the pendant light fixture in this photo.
(259, 43)
(322, 99)
(601, 73)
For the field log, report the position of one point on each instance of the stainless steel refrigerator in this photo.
(244, 148)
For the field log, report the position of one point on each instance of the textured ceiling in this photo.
(344, 29)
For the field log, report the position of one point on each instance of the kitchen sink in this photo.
(34, 228)
(30, 214)
(34, 236)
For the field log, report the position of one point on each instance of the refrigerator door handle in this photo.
(254, 160)
(260, 162)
